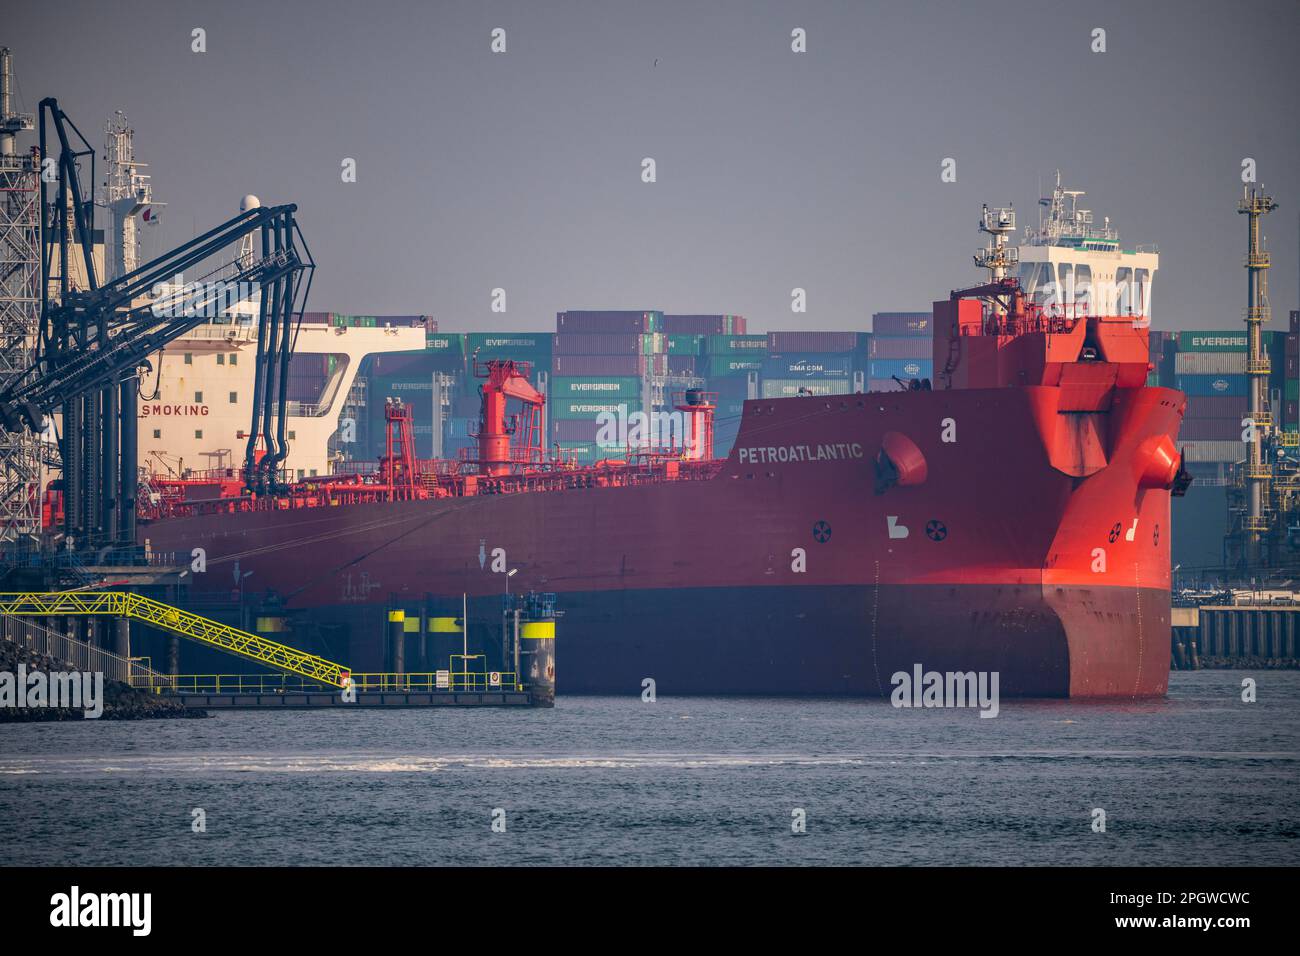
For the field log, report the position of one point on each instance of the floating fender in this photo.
(1157, 462)
(899, 462)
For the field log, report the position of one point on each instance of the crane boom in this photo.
(96, 336)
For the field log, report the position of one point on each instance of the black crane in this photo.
(95, 338)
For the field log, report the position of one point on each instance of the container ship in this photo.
(1009, 513)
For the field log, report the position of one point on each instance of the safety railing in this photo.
(80, 655)
(228, 684)
(431, 683)
(445, 681)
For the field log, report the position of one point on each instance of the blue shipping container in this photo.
(903, 368)
(807, 365)
(1233, 385)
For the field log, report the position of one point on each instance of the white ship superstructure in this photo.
(195, 407)
(1072, 265)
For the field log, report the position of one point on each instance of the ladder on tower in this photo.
(184, 623)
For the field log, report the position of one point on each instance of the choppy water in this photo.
(1199, 778)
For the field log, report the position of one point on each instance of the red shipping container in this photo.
(811, 341)
(902, 323)
(681, 365)
(1209, 429)
(704, 324)
(591, 343)
(404, 363)
(616, 365)
(605, 322)
(901, 347)
(574, 429)
(1217, 406)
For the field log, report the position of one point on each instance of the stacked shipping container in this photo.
(726, 362)
(1210, 368)
(1291, 373)
(601, 361)
(901, 345)
(809, 363)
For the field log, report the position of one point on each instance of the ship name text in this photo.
(839, 451)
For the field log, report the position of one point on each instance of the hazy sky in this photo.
(821, 170)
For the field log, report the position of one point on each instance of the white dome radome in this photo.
(249, 202)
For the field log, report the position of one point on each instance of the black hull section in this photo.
(804, 641)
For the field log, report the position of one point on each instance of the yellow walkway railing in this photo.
(193, 626)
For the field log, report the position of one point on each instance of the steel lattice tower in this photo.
(20, 268)
(1255, 205)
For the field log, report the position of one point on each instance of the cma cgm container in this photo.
(599, 388)
(1193, 385)
(903, 368)
(790, 388)
(704, 324)
(902, 323)
(807, 366)
(607, 322)
(779, 342)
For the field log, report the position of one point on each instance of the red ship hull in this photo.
(1016, 538)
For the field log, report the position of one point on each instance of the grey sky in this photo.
(775, 170)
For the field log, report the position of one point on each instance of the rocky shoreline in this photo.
(121, 701)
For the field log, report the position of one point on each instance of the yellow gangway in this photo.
(232, 640)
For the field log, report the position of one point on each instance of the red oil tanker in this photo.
(1013, 518)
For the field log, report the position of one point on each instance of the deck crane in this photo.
(95, 337)
(504, 380)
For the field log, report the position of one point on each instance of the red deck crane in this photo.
(506, 379)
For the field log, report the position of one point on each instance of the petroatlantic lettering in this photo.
(840, 451)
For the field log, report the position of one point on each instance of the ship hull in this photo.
(838, 640)
(790, 571)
